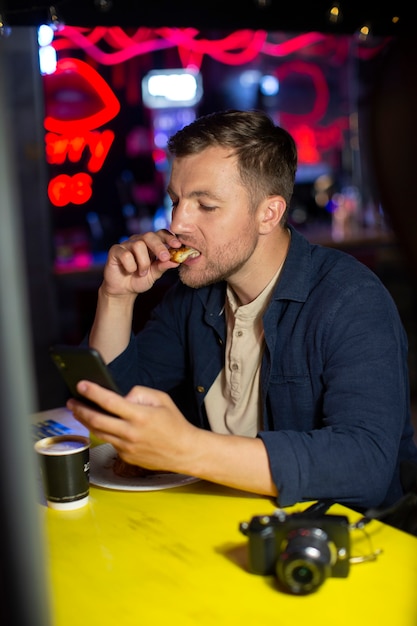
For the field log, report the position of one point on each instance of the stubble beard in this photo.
(228, 260)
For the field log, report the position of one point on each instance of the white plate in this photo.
(102, 474)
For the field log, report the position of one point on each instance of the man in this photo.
(272, 366)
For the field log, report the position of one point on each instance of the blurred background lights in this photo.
(364, 32)
(335, 14)
(249, 78)
(269, 85)
(167, 88)
(47, 60)
(47, 53)
(174, 87)
(161, 139)
(45, 35)
(5, 30)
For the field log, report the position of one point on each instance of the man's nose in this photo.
(182, 218)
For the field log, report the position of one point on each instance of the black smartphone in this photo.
(77, 363)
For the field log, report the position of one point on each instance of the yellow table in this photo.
(177, 556)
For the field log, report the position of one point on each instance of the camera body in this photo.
(301, 550)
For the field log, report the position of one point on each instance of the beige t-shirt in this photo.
(233, 401)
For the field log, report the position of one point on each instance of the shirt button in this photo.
(200, 389)
(235, 366)
(239, 333)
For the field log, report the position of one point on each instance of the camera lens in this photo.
(302, 574)
(305, 562)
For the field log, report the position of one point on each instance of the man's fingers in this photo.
(147, 396)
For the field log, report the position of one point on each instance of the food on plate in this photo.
(179, 255)
(127, 470)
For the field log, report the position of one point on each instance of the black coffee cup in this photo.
(65, 466)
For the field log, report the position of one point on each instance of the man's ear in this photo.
(271, 212)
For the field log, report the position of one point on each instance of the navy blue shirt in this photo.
(334, 376)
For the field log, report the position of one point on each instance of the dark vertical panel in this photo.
(23, 595)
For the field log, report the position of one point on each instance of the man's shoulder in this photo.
(324, 271)
(329, 258)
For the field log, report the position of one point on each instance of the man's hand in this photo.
(154, 434)
(133, 266)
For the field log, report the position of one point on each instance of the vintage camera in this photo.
(302, 551)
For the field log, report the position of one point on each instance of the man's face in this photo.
(212, 213)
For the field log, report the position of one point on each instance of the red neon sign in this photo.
(64, 189)
(73, 76)
(61, 147)
(78, 100)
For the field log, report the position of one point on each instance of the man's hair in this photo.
(266, 153)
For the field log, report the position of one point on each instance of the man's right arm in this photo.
(112, 326)
(129, 271)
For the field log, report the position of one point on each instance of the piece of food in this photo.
(179, 255)
(127, 470)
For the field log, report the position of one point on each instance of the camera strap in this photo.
(402, 514)
(318, 508)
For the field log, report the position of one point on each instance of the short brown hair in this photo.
(266, 153)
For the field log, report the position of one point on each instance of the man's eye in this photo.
(204, 207)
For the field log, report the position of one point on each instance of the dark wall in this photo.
(393, 141)
(269, 14)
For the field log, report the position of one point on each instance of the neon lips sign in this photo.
(78, 101)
